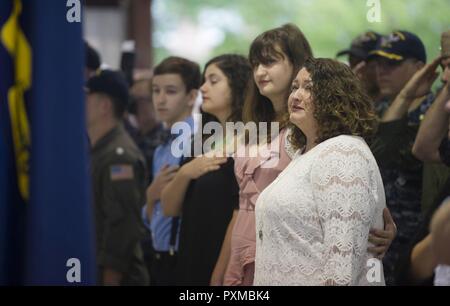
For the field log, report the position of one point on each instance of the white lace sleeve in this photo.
(442, 276)
(288, 147)
(341, 181)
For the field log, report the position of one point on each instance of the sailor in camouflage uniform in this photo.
(399, 56)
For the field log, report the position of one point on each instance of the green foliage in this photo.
(329, 25)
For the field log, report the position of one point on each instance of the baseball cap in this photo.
(400, 45)
(111, 83)
(362, 45)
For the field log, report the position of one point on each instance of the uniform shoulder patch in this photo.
(121, 172)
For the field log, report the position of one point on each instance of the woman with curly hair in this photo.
(313, 221)
(276, 56)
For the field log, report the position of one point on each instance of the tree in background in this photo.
(201, 29)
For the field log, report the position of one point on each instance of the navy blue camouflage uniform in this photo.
(402, 177)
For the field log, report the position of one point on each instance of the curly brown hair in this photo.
(341, 105)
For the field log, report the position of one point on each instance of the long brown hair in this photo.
(285, 41)
(238, 72)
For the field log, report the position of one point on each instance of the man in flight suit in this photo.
(118, 178)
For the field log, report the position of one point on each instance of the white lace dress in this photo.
(442, 275)
(313, 221)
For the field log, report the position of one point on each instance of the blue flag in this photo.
(48, 234)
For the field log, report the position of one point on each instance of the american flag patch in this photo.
(121, 172)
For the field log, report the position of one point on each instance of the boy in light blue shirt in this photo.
(175, 87)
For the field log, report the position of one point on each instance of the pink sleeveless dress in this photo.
(253, 175)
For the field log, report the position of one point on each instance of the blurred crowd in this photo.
(199, 219)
